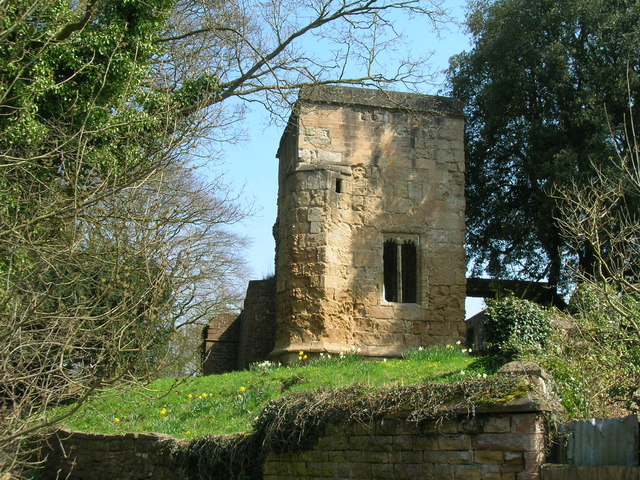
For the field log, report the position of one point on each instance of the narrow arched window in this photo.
(400, 266)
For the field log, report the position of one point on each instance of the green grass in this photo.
(218, 404)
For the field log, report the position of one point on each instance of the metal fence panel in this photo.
(612, 441)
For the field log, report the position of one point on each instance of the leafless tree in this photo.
(601, 220)
(108, 240)
(100, 307)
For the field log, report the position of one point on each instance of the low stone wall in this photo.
(498, 445)
(90, 456)
(489, 446)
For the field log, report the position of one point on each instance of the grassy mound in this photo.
(231, 403)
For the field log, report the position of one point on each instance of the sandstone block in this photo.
(467, 472)
(489, 457)
(498, 424)
(514, 458)
(382, 471)
(530, 423)
(506, 442)
(454, 442)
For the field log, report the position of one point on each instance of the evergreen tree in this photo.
(546, 87)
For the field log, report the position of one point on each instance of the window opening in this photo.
(338, 185)
(400, 271)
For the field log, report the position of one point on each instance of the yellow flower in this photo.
(190, 396)
(163, 411)
(117, 420)
(240, 396)
(301, 353)
(305, 357)
(203, 395)
(187, 432)
(243, 389)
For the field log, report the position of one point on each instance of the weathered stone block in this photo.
(467, 472)
(382, 471)
(489, 457)
(454, 442)
(504, 441)
(498, 424)
(530, 423)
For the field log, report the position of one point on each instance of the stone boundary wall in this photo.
(491, 446)
(506, 444)
(92, 456)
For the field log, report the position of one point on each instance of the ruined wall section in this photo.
(220, 344)
(358, 168)
(257, 323)
(233, 342)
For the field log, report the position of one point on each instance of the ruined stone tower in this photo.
(370, 228)
(369, 234)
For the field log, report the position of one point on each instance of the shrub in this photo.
(514, 327)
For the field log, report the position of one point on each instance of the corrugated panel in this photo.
(603, 442)
(572, 472)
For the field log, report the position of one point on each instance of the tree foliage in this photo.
(108, 239)
(545, 88)
(514, 327)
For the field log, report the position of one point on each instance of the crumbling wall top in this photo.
(341, 95)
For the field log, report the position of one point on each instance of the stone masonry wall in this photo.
(257, 328)
(90, 456)
(500, 446)
(357, 168)
(220, 344)
(233, 342)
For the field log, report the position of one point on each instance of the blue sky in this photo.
(251, 165)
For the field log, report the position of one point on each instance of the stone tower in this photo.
(370, 227)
